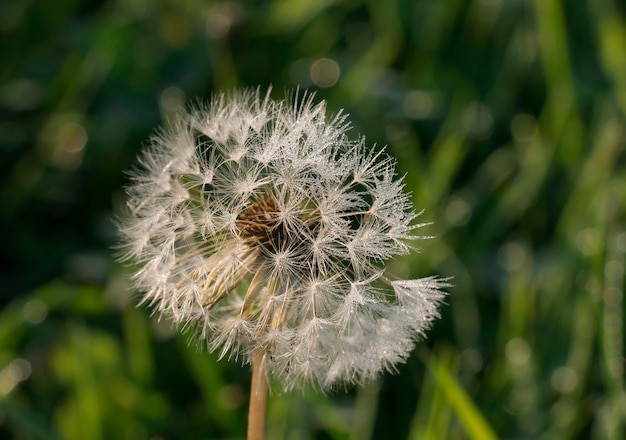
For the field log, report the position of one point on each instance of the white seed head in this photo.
(261, 224)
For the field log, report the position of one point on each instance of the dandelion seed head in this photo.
(263, 226)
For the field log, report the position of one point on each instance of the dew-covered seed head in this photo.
(261, 224)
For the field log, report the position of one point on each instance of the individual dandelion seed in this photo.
(261, 224)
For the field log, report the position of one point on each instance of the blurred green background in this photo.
(508, 119)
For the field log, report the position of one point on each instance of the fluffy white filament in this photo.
(260, 223)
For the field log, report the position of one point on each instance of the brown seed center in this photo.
(259, 223)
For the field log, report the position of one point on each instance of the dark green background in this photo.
(508, 119)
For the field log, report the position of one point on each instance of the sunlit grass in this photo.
(508, 119)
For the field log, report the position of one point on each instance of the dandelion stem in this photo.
(258, 399)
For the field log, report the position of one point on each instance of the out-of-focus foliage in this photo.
(508, 118)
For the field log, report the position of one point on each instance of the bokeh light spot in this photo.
(511, 256)
(564, 379)
(325, 72)
(418, 104)
(71, 140)
(472, 360)
(221, 19)
(518, 351)
(172, 99)
(588, 241)
(19, 370)
(458, 211)
(15, 372)
(35, 311)
(72, 137)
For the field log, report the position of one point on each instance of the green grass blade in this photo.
(468, 414)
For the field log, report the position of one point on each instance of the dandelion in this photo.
(259, 223)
